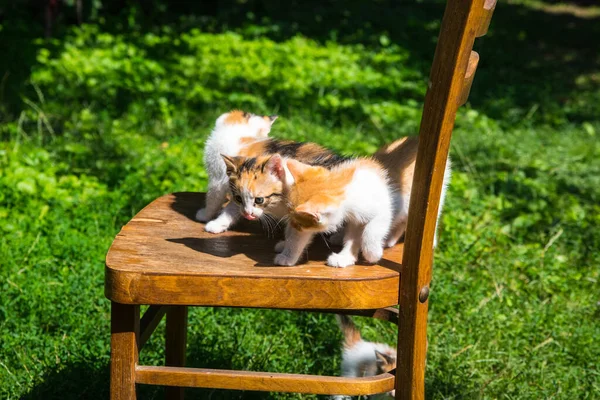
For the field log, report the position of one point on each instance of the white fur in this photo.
(401, 201)
(367, 210)
(362, 353)
(225, 139)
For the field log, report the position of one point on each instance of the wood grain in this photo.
(149, 322)
(263, 381)
(175, 343)
(162, 256)
(462, 21)
(124, 327)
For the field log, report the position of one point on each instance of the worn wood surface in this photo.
(263, 381)
(124, 327)
(175, 345)
(163, 256)
(463, 21)
(149, 322)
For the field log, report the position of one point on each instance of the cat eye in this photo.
(238, 198)
(259, 200)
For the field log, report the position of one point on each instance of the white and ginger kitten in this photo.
(355, 194)
(369, 197)
(361, 358)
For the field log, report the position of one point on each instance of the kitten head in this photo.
(256, 184)
(259, 126)
(386, 360)
(315, 195)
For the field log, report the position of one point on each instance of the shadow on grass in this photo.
(524, 63)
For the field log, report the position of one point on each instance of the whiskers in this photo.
(270, 224)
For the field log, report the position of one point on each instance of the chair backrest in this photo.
(449, 84)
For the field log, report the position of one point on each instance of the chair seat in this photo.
(163, 256)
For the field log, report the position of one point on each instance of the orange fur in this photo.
(398, 159)
(252, 147)
(237, 117)
(349, 330)
(316, 188)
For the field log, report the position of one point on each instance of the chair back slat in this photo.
(486, 16)
(450, 80)
(469, 75)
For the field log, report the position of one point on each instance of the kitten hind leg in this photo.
(214, 201)
(349, 253)
(228, 216)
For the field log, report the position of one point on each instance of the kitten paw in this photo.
(280, 246)
(373, 255)
(201, 215)
(390, 243)
(215, 227)
(340, 260)
(281, 259)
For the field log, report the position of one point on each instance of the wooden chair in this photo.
(164, 259)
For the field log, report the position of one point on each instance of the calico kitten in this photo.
(236, 158)
(355, 194)
(398, 159)
(233, 132)
(362, 358)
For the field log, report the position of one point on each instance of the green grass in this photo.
(100, 120)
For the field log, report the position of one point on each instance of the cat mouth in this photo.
(249, 217)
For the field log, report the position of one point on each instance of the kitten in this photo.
(233, 133)
(314, 197)
(398, 159)
(236, 158)
(362, 358)
(355, 194)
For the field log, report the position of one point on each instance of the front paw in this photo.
(201, 215)
(282, 259)
(280, 246)
(340, 260)
(215, 227)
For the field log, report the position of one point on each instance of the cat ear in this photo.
(274, 165)
(272, 118)
(307, 213)
(383, 359)
(231, 163)
(297, 169)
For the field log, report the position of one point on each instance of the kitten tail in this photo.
(351, 333)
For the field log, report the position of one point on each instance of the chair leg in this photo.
(176, 337)
(125, 331)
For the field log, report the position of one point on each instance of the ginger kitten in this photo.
(355, 194)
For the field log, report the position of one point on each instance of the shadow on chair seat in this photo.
(163, 256)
